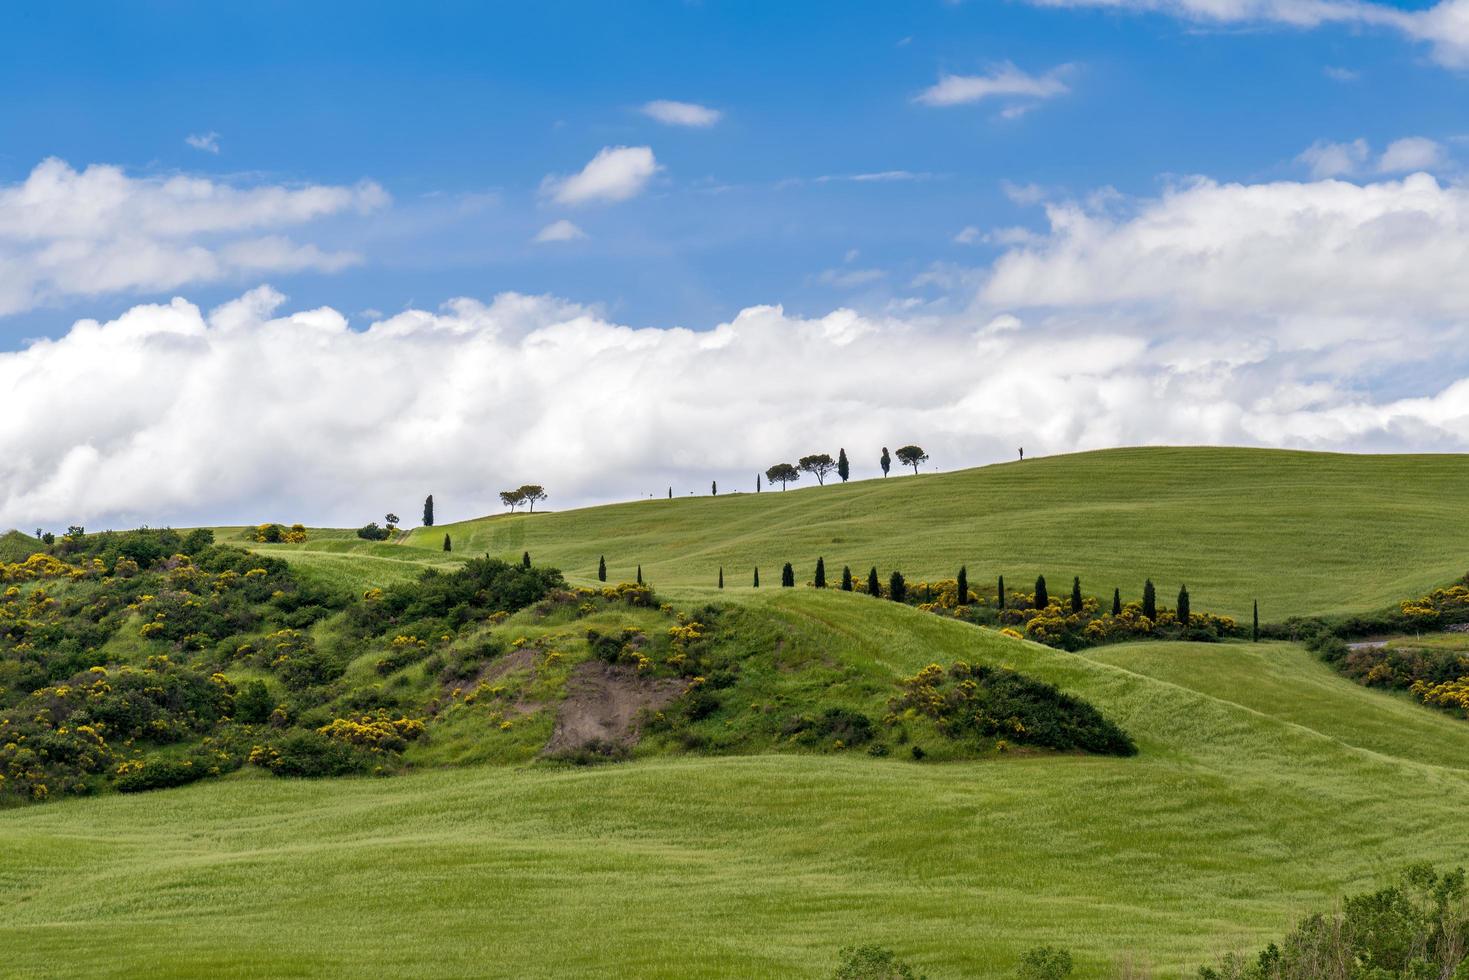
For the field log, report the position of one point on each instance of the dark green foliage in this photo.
(872, 962)
(525, 559)
(846, 578)
(962, 585)
(721, 577)
(714, 488)
(312, 755)
(843, 469)
(1255, 627)
(1000, 596)
(1183, 612)
(253, 703)
(640, 574)
(885, 461)
(787, 576)
(372, 532)
(1150, 600)
(897, 588)
(1117, 602)
(757, 576)
(448, 544)
(1042, 597)
(163, 773)
(428, 511)
(1044, 963)
(1076, 594)
(602, 568)
(482, 586)
(820, 580)
(1417, 927)
(913, 456)
(874, 587)
(782, 473)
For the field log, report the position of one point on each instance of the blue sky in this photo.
(312, 261)
(447, 102)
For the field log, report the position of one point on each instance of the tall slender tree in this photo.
(1076, 594)
(757, 482)
(670, 493)
(721, 576)
(1150, 601)
(788, 577)
(1001, 601)
(640, 574)
(602, 568)
(885, 461)
(1117, 602)
(897, 588)
(713, 488)
(820, 581)
(846, 578)
(874, 587)
(428, 511)
(962, 585)
(843, 470)
(1183, 610)
(1042, 597)
(525, 560)
(1255, 629)
(757, 576)
(448, 545)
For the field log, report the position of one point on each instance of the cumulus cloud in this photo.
(66, 233)
(1327, 159)
(616, 173)
(560, 231)
(1444, 25)
(208, 142)
(1413, 153)
(1005, 81)
(689, 114)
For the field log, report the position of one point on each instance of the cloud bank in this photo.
(67, 233)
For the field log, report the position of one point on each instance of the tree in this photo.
(757, 576)
(511, 499)
(1076, 594)
(721, 576)
(601, 568)
(787, 577)
(1117, 602)
(532, 492)
(897, 588)
(713, 488)
(843, 470)
(448, 545)
(640, 574)
(874, 587)
(757, 482)
(885, 461)
(963, 585)
(820, 581)
(846, 578)
(817, 465)
(782, 473)
(525, 559)
(872, 962)
(391, 520)
(1042, 598)
(428, 511)
(1255, 630)
(1001, 601)
(1183, 613)
(912, 456)
(1150, 601)
(670, 493)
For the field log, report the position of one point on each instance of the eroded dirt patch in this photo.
(602, 705)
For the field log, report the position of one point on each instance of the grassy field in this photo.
(1265, 786)
(1302, 532)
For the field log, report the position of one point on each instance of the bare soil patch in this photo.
(603, 703)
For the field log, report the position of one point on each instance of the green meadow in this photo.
(1265, 785)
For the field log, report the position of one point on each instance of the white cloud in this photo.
(1413, 153)
(968, 235)
(560, 231)
(689, 114)
(1337, 74)
(66, 233)
(1005, 81)
(208, 142)
(1327, 159)
(1444, 25)
(850, 278)
(616, 173)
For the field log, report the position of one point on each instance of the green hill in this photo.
(1305, 533)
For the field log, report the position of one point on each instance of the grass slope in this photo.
(1265, 786)
(1303, 532)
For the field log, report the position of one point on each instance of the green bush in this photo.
(1044, 963)
(872, 962)
(253, 703)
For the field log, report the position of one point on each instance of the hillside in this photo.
(1305, 533)
(1264, 787)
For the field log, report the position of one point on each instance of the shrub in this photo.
(371, 531)
(1044, 963)
(310, 755)
(253, 703)
(871, 962)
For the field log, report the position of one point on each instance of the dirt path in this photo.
(603, 703)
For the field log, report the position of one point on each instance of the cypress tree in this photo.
(1002, 592)
(1150, 601)
(525, 560)
(787, 577)
(1183, 612)
(602, 568)
(963, 586)
(846, 578)
(874, 587)
(1042, 597)
(885, 461)
(897, 588)
(757, 482)
(843, 470)
(757, 576)
(721, 576)
(428, 512)
(820, 582)
(448, 545)
(1255, 630)
(714, 488)
(1117, 602)
(670, 493)
(640, 574)
(1076, 594)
